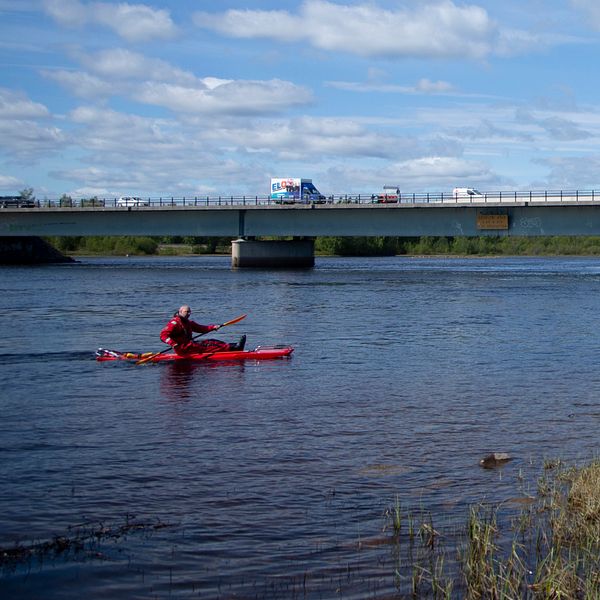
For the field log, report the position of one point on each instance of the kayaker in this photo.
(178, 332)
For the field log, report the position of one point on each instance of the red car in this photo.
(385, 198)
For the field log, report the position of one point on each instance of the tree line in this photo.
(340, 246)
(460, 245)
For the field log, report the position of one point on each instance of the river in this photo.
(271, 479)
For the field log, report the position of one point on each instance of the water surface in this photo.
(273, 478)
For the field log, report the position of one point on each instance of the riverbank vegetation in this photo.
(139, 245)
(340, 246)
(550, 549)
(470, 246)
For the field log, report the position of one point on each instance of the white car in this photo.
(132, 201)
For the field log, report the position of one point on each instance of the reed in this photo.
(548, 550)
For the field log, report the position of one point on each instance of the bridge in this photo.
(514, 214)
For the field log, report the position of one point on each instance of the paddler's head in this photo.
(184, 312)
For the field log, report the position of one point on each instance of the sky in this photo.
(205, 98)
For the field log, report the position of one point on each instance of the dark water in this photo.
(272, 479)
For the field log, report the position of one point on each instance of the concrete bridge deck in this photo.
(566, 216)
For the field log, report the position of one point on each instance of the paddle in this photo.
(155, 354)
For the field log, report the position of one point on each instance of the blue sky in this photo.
(189, 98)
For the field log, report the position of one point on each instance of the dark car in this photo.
(16, 202)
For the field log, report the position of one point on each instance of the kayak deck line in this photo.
(259, 353)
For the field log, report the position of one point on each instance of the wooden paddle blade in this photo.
(233, 321)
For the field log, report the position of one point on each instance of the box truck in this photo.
(292, 190)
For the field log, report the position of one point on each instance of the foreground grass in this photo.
(549, 550)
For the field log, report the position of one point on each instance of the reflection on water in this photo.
(182, 380)
(275, 475)
(176, 379)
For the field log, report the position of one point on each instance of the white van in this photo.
(132, 201)
(466, 194)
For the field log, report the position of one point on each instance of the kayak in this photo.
(259, 353)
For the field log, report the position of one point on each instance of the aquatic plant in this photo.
(82, 537)
(549, 550)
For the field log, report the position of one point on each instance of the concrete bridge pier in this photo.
(298, 253)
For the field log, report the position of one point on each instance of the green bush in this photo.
(357, 246)
(111, 245)
(348, 246)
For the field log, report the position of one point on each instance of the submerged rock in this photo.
(494, 459)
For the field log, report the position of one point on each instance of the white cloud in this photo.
(81, 84)
(438, 168)
(273, 24)
(571, 172)
(435, 29)
(135, 22)
(123, 64)
(590, 10)
(14, 105)
(559, 125)
(70, 13)
(310, 139)
(423, 86)
(516, 42)
(433, 87)
(563, 129)
(156, 82)
(436, 173)
(228, 97)
(21, 136)
(26, 140)
(7, 182)
(132, 22)
(123, 153)
(122, 132)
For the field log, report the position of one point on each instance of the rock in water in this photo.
(495, 459)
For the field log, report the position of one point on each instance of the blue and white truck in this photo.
(294, 190)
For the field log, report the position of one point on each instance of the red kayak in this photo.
(259, 353)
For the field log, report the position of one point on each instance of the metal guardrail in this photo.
(500, 197)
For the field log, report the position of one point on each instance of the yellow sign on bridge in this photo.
(492, 221)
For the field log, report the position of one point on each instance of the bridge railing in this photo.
(493, 197)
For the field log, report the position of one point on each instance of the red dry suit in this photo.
(178, 333)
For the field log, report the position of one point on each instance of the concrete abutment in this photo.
(29, 250)
(286, 254)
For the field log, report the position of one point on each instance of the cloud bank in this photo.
(441, 29)
(132, 22)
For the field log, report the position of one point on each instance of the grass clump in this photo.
(548, 550)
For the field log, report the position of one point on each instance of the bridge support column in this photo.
(287, 254)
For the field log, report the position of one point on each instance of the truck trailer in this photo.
(294, 190)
